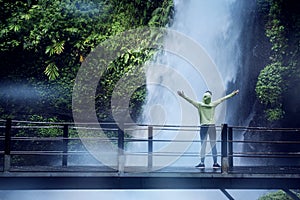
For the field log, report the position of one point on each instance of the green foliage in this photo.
(41, 132)
(125, 76)
(34, 143)
(277, 76)
(127, 70)
(52, 71)
(162, 15)
(279, 195)
(273, 114)
(42, 45)
(58, 31)
(270, 83)
(52, 38)
(276, 35)
(128, 66)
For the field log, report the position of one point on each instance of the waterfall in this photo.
(213, 26)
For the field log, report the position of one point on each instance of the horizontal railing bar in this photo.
(111, 129)
(94, 128)
(266, 141)
(264, 128)
(141, 140)
(165, 125)
(35, 127)
(137, 140)
(269, 153)
(61, 127)
(135, 129)
(153, 125)
(35, 139)
(165, 140)
(35, 122)
(168, 153)
(60, 139)
(102, 139)
(266, 131)
(63, 123)
(163, 129)
(93, 138)
(238, 153)
(178, 129)
(265, 156)
(54, 153)
(58, 153)
(235, 154)
(165, 154)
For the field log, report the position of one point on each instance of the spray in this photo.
(213, 26)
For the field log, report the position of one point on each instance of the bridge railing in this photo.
(27, 145)
(157, 140)
(33, 143)
(263, 147)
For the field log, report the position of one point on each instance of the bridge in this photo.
(52, 155)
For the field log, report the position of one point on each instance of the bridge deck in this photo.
(166, 178)
(181, 169)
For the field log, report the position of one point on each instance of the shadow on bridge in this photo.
(48, 155)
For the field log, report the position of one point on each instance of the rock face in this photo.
(248, 111)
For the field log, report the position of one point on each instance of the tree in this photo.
(43, 44)
(42, 40)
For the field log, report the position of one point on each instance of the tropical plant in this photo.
(277, 77)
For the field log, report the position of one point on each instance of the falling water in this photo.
(215, 26)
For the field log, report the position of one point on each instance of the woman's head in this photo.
(207, 97)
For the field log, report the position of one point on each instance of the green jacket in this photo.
(206, 109)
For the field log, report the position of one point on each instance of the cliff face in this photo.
(248, 111)
(258, 51)
(255, 52)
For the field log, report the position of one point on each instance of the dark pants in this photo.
(205, 131)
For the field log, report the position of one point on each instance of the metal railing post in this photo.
(121, 158)
(65, 145)
(150, 146)
(230, 147)
(7, 147)
(224, 153)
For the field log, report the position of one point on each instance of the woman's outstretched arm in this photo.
(235, 92)
(194, 103)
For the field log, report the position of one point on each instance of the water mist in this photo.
(215, 26)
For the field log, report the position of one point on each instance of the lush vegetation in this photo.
(282, 27)
(279, 80)
(280, 195)
(43, 43)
